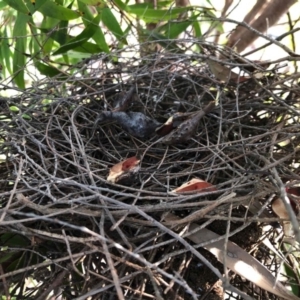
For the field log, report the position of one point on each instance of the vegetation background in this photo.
(51, 51)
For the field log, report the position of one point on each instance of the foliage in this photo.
(53, 34)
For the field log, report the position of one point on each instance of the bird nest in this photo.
(76, 234)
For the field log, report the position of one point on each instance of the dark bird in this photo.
(135, 123)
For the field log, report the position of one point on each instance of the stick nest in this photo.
(75, 233)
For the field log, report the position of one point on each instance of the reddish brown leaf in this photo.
(195, 184)
(128, 165)
(294, 190)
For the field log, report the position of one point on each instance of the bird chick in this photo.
(135, 123)
(187, 128)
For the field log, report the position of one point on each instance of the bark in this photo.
(263, 15)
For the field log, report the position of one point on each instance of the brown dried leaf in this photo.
(279, 209)
(195, 184)
(129, 165)
(223, 73)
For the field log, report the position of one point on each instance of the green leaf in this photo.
(38, 4)
(56, 11)
(113, 25)
(121, 5)
(89, 48)
(86, 47)
(34, 43)
(212, 17)
(197, 29)
(2, 4)
(79, 40)
(13, 240)
(6, 52)
(14, 109)
(163, 41)
(18, 5)
(26, 117)
(6, 257)
(98, 37)
(151, 15)
(19, 32)
(173, 29)
(46, 69)
(292, 279)
(61, 34)
(99, 3)
(47, 43)
(33, 6)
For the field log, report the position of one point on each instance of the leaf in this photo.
(3, 4)
(196, 26)
(294, 190)
(279, 209)
(46, 69)
(20, 33)
(86, 47)
(89, 48)
(223, 73)
(26, 117)
(121, 5)
(19, 6)
(110, 21)
(50, 23)
(82, 38)
(60, 34)
(236, 259)
(290, 274)
(99, 3)
(212, 17)
(13, 240)
(6, 257)
(176, 28)
(162, 40)
(34, 46)
(193, 185)
(151, 15)
(37, 4)
(14, 109)
(56, 11)
(6, 52)
(128, 165)
(98, 37)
